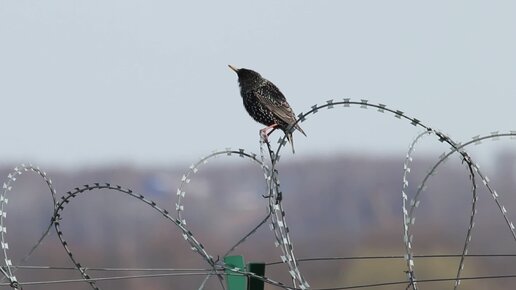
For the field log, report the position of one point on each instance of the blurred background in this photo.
(132, 92)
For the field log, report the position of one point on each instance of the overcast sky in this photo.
(147, 82)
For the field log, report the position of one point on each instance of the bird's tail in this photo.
(300, 130)
(290, 139)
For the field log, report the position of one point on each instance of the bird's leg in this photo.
(263, 132)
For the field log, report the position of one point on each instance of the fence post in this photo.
(234, 280)
(259, 270)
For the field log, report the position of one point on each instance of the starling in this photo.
(266, 104)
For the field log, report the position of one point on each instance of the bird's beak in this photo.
(233, 68)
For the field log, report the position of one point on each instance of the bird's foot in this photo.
(264, 134)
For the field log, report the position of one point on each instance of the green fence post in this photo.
(234, 280)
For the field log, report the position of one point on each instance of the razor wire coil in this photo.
(267, 159)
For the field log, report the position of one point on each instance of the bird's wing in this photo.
(277, 105)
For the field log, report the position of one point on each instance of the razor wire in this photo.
(267, 160)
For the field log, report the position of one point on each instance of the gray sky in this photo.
(147, 82)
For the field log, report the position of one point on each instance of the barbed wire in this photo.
(268, 160)
(197, 272)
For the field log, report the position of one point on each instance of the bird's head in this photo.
(247, 77)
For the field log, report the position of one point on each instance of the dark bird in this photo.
(266, 104)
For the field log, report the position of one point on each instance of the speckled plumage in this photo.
(265, 103)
